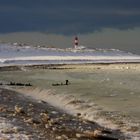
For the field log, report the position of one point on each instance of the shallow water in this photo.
(114, 95)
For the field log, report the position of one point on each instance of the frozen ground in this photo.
(14, 55)
(9, 131)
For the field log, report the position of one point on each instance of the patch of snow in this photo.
(10, 131)
(16, 54)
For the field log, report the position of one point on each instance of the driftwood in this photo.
(18, 84)
(61, 84)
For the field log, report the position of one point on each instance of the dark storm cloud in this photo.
(68, 16)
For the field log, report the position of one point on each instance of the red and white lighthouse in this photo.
(76, 42)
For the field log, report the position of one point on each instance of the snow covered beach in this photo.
(27, 55)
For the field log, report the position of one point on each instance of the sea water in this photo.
(110, 97)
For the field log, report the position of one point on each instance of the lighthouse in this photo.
(76, 42)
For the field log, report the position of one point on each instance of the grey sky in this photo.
(66, 18)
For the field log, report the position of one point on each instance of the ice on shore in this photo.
(88, 110)
(9, 131)
(14, 54)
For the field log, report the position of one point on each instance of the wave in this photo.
(87, 110)
(68, 59)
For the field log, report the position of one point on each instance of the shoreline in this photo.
(64, 66)
(36, 119)
(72, 67)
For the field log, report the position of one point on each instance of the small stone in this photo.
(89, 134)
(19, 110)
(31, 105)
(132, 129)
(41, 101)
(78, 114)
(14, 114)
(96, 133)
(54, 112)
(78, 135)
(30, 121)
(7, 130)
(81, 129)
(16, 129)
(2, 109)
(64, 137)
(30, 110)
(54, 129)
(45, 117)
(35, 121)
(59, 138)
(54, 122)
(64, 115)
(47, 126)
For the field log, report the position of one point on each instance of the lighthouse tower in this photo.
(76, 42)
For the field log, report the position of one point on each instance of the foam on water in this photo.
(88, 110)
